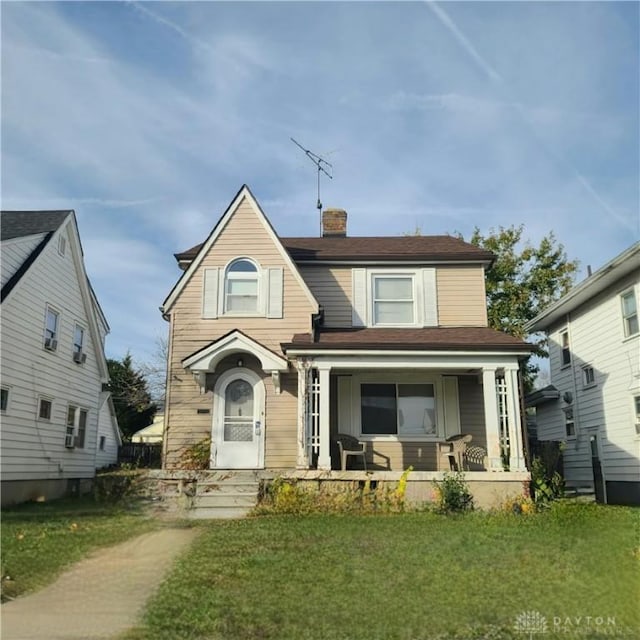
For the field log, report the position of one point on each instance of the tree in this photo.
(523, 280)
(131, 397)
(155, 370)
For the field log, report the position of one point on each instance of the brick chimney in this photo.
(334, 223)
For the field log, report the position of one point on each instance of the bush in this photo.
(197, 456)
(452, 493)
(289, 496)
(546, 485)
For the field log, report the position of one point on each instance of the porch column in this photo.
(302, 366)
(492, 424)
(324, 456)
(516, 452)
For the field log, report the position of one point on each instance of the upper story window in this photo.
(393, 300)
(4, 399)
(62, 245)
(566, 350)
(241, 287)
(588, 376)
(78, 345)
(629, 313)
(51, 329)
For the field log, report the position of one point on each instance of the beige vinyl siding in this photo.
(244, 236)
(331, 287)
(461, 296)
(398, 456)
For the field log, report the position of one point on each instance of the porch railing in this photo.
(503, 416)
(313, 417)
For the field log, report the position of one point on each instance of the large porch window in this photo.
(398, 409)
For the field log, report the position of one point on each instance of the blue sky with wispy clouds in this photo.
(146, 118)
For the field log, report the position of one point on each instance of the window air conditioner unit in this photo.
(51, 344)
(69, 439)
(79, 357)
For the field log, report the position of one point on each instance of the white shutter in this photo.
(275, 292)
(210, 293)
(430, 298)
(221, 291)
(359, 297)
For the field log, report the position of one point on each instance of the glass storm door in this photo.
(239, 423)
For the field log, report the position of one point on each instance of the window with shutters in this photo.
(394, 298)
(243, 288)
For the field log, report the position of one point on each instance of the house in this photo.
(593, 402)
(151, 434)
(58, 423)
(277, 344)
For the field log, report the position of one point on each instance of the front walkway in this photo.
(101, 596)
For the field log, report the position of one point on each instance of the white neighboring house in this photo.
(594, 401)
(57, 423)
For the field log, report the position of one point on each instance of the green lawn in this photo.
(41, 539)
(408, 577)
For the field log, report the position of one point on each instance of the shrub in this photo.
(196, 457)
(289, 496)
(452, 493)
(546, 486)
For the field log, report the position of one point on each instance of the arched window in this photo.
(241, 287)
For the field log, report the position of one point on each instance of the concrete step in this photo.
(213, 513)
(229, 486)
(225, 500)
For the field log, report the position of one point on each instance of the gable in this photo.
(49, 279)
(243, 232)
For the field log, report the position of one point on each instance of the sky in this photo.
(146, 118)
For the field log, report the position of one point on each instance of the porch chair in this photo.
(349, 446)
(476, 455)
(453, 448)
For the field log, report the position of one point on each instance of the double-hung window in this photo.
(566, 349)
(569, 423)
(629, 313)
(241, 287)
(76, 427)
(398, 409)
(4, 399)
(393, 300)
(52, 318)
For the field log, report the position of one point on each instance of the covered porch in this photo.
(405, 408)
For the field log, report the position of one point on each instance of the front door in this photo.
(238, 429)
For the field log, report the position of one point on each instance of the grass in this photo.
(40, 539)
(404, 577)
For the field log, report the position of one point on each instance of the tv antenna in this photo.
(323, 167)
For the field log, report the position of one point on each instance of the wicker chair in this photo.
(349, 446)
(453, 448)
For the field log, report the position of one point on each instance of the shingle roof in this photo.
(376, 248)
(16, 224)
(427, 339)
